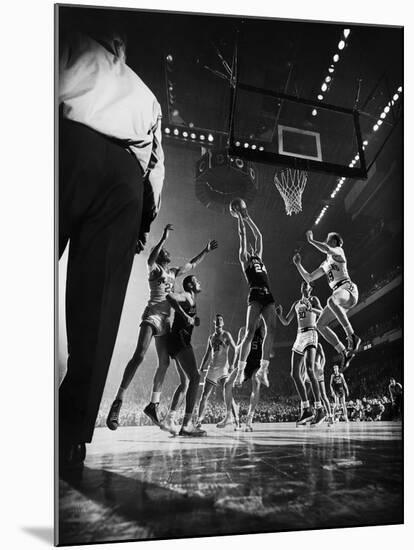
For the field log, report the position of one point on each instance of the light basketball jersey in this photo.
(161, 283)
(220, 348)
(335, 271)
(306, 318)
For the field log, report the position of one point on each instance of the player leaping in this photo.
(155, 322)
(344, 294)
(260, 301)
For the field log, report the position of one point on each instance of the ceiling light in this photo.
(395, 97)
(167, 130)
(375, 127)
(210, 138)
(185, 134)
(328, 79)
(331, 69)
(176, 132)
(320, 97)
(347, 32)
(341, 45)
(399, 89)
(386, 109)
(383, 115)
(335, 58)
(324, 87)
(202, 137)
(314, 112)
(193, 136)
(246, 145)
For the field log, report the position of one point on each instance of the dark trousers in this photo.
(100, 207)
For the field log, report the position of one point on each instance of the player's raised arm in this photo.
(257, 236)
(308, 277)
(323, 247)
(211, 245)
(156, 250)
(243, 239)
(206, 357)
(286, 319)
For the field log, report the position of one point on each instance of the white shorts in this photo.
(348, 292)
(215, 374)
(319, 373)
(305, 340)
(155, 316)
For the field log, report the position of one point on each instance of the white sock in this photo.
(120, 394)
(264, 363)
(305, 404)
(173, 415)
(340, 347)
(318, 405)
(241, 365)
(155, 397)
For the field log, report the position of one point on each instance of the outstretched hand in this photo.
(297, 258)
(211, 245)
(279, 310)
(309, 235)
(167, 229)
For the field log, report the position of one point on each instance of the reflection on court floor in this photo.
(140, 483)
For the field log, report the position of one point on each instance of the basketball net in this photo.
(291, 183)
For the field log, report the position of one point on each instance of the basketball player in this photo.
(396, 393)
(344, 294)
(260, 303)
(250, 373)
(181, 350)
(339, 390)
(307, 311)
(320, 361)
(155, 321)
(215, 364)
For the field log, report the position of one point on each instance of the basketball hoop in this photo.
(291, 183)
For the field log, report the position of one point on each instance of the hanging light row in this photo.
(189, 134)
(341, 181)
(387, 109)
(247, 145)
(321, 214)
(331, 69)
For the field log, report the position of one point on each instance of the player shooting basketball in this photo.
(260, 301)
(344, 293)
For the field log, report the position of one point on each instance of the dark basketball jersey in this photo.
(180, 326)
(337, 382)
(256, 347)
(256, 273)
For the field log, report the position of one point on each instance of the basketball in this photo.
(237, 205)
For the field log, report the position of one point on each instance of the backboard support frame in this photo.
(308, 164)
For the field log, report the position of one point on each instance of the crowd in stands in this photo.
(268, 410)
(380, 282)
